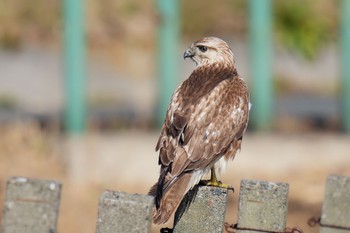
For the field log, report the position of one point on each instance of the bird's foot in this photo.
(217, 183)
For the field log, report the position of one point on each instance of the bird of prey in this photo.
(204, 125)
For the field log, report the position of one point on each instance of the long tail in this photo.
(169, 193)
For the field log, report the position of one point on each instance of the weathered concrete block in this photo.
(202, 210)
(262, 206)
(336, 205)
(31, 205)
(332, 230)
(121, 212)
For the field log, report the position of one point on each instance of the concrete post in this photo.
(31, 205)
(336, 205)
(120, 212)
(202, 210)
(262, 206)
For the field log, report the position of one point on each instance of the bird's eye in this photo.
(202, 48)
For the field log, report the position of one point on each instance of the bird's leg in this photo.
(215, 182)
(213, 179)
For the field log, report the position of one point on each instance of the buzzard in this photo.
(204, 125)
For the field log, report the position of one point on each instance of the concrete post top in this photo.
(25, 188)
(118, 195)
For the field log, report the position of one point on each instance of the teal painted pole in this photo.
(345, 51)
(168, 54)
(74, 66)
(260, 43)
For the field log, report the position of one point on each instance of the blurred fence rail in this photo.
(31, 205)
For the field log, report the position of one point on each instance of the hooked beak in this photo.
(188, 54)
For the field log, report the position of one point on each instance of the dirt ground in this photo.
(126, 161)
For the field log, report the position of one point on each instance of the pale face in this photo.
(210, 50)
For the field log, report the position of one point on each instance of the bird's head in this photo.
(210, 50)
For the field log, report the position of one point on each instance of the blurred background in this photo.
(84, 86)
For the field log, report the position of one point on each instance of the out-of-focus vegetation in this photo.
(23, 140)
(25, 21)
(201, 18)
(7, 101)
(305, 26)
(302, 26)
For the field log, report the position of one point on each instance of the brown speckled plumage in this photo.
(204, 124)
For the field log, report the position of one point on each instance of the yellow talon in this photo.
(215, 182)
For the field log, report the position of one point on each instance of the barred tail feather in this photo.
(171, 198)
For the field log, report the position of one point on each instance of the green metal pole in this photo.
(168, 54)
(74, 66)
(260, 43)
(345, 50)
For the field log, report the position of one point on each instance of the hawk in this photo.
(204, 125)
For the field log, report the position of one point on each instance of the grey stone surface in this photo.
(31, 205)
(202, 210)
(332, 230)
(262, 206)
(121, 212)
(336, 204)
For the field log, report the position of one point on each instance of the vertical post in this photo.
(120, 212)
(345, 50)
(31, 205)
(260, 43)
(74, 66)
(262, 207)
(336, 205)
(202, 210)
(168, 51)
